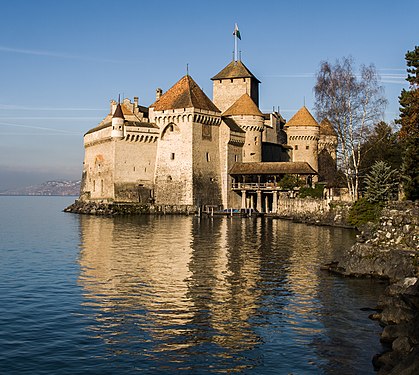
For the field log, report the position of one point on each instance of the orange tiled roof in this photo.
(302, 118)
(243, 106)
(184, 94)
(236, 69)
(272, 168)
(326, 128)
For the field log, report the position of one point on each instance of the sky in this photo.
(61, 62)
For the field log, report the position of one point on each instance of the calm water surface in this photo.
(124, 295)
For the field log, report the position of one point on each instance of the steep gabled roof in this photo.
(302, 118)
(185, 93)
(236, 69)
(326, 128)
(243, 106)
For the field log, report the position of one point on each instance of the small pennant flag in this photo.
(236, 32)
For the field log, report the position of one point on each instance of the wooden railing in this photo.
(255, 186)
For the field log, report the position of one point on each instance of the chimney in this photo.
(159, 93)
(136, 101)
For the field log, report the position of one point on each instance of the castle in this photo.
(190, 151)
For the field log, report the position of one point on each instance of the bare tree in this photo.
(353, 104)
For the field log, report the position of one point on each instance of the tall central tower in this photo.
(231, 83)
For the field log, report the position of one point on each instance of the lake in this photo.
(176, 294)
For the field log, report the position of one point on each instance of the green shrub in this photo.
(364, 211)
(316, 192)
(289, 182)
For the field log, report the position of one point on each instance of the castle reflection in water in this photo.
(177, 293)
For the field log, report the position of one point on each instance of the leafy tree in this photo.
(409, 121)
(381, 182)
(352, 103)
(382, 144)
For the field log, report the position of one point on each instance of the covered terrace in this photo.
(262, 181)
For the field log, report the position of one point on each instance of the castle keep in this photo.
(188, 150)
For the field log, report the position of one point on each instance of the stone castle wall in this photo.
(98, 168)
(206, 165)
(231, 145)
(173, 178)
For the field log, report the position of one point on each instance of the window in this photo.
(94, 185)
(208, 157)
(236, 157)
(172, 156)
(307, 147)
(296, 147)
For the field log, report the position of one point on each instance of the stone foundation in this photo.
(111, 209)
(313, 211)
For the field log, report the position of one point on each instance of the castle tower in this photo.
(247, 115)
(188, 156)
(303, 136)
(118, 120)
(231, 83)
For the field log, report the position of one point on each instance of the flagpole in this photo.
(235, 47)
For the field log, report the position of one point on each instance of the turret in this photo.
(118, 120)
(247, 115)
(303, 136)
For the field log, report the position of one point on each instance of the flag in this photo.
(236, 32)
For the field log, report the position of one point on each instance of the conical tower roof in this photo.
(243, 106)
(236, 69)
(326, 128)
(302, 118)
(184, 94)
(118, 112)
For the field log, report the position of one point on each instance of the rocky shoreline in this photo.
(390, 250)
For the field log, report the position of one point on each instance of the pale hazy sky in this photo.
(62, 62)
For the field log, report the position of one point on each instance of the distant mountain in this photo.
(59, 187)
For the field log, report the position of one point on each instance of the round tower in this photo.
(247, 115)
(118, 120)
(303, 136)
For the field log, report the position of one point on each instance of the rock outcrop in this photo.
(390, 249)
